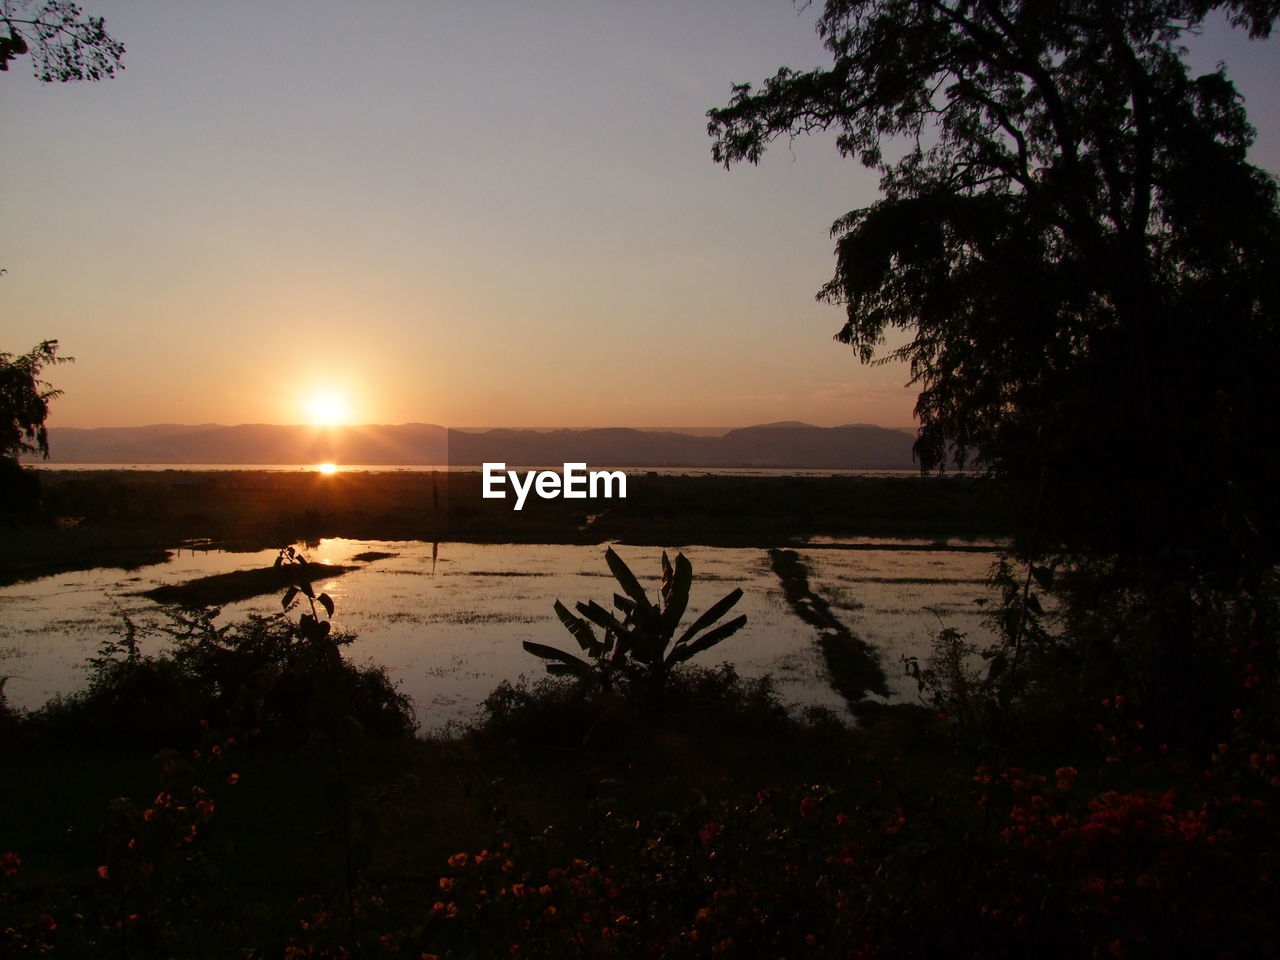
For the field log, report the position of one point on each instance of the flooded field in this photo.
(449, 629)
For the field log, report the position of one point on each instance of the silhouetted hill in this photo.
(251, 443)
(849, 448)
(613, 446)
(784, 445)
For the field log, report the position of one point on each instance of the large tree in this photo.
(64, 42)
(1088, 271)
(1072, 235)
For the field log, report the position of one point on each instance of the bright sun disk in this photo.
(327, 409)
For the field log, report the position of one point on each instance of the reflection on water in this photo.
(449, 630)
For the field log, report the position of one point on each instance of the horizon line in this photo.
(476, 428)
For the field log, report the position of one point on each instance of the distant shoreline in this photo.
(673, 470)
(785, 446)
(119, 516)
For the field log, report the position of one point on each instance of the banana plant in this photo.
(638, 638)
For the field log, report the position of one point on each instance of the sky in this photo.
(487, 213)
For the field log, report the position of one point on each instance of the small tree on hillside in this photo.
(24, 401)
(24, 407)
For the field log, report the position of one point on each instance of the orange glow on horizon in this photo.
(326, 468)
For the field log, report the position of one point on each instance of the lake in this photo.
(450, 630)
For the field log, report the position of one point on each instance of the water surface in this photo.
(449, 631)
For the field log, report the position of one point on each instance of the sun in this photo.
(328, 408)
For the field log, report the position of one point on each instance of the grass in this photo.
(33, 551)
(220, 589)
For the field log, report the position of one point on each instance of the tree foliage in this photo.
(64, 42)
(1072, 236)
(24, 401)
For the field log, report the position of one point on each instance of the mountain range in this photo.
(778, 445)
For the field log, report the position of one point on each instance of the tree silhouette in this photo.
(24, 406)
(24, 401)
(1089, 272)
(64, 43)
(1071, 232)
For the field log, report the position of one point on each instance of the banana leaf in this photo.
(627, 580)
(563, 662)
(717, 610)
(601, 617)
(675, 591)
(683, 651)
(581, 631)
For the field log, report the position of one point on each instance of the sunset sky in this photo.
(474, 213)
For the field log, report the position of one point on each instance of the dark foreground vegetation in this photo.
(251, 793)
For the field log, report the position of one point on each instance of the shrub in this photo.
(253, 674)
(557, 713)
